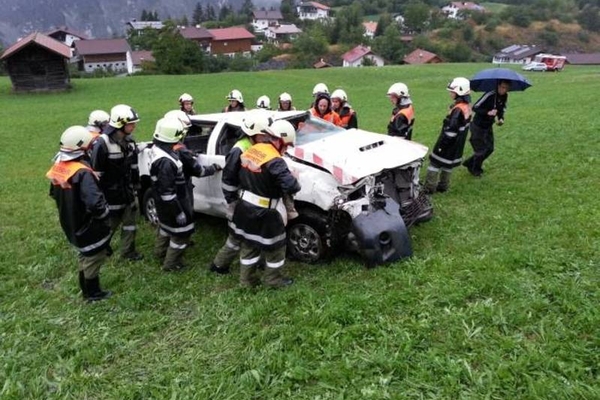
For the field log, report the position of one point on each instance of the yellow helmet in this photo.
(121, 115)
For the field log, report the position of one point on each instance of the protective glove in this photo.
(500, 122)
(217, 167)
(181, 219)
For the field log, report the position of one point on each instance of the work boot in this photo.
(173, 259)
(218, 270)
(84, 292)
(444, 183)
(175, 268)
(95, 293)
(248, 276)
(431, 181)
(133, 256)
(275, 279)
(290, 207)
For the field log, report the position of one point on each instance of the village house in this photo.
(197, 34)
(420, 56)
(108, 54)
(356, 57)
(262, 19)
(139, 26)
(38, 63)
(140, 58)
(370, 29)
(282, 33)
(453, 9)
(516, 54)
(65, 35)
(583, 58)
(231, 41)
(313, 10)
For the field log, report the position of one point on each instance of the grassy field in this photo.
(500, 301)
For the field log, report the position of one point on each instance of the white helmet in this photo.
(185, 97)
(264, 102)
(235, 95)
(320, 88)
(460, 86)
(98, 118)
(284, 130)
(339, 94)
(399, 89)
(285, 97)
(121, 115)
(256, 123)
(169, 130)
(180, 115)
(75, 138)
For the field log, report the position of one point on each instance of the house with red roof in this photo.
(420, 56)
(313, 10)
(108, 54)
(66, 35)
(263, 19)
(140, 58)
(230, 41)
(38, 63)
(356, 57)
(197, 34)
(370, 29)
(282, 33)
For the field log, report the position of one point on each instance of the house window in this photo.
(224, 43)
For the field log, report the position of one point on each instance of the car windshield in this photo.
(313, 129)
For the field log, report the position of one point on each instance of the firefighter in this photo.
(322, 109)
(97, 122)
(318, 89)
(260, 217)
(285, 102)
(489, 108)
(82, 209)
(251, 126)
(114, 158)
(236, 101)
(186, 104)
(448, 150)
(263, 103)
(403, 114)
(339, 104)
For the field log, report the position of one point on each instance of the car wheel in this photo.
(306, 237)
(149, 207)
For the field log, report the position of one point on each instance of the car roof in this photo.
(237, 117)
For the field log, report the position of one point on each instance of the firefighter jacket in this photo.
(402, 121)
(82, 208)
(264, 179)
(191, 168)
(489, 101)
(170, 190)
(230, 183)
(348, 117)
(239, 107)
(448, 149)
(114, 158)
(330, 116)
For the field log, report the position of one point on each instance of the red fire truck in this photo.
(552, 61)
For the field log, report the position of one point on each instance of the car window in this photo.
(312, 129)
(227, 138)
(198, 135)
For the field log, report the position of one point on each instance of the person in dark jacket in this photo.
(448, 149)
(82, 208)
(403, 114)
(171, 190)
(339, 104)
(114, 158)
(236, 101)
(186, 104)
(230, 185)
(489, 108)
(322, 109)
(260, 217)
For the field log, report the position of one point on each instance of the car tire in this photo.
(307, 237)
(149, 207)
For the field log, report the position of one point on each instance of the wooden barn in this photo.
(38, 63)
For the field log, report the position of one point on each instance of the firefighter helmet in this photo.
(320, 88)
(121, 115)
(283, 130)
(180, 115)
(169, 130)
(186, 97)
(339, 94)
(255, 123)
(235, 95)
(75, 138)
(460, 86)
(98, 118)
(399, 89)
(263, 102)
(285, 97)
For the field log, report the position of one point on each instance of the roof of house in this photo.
(518, 52)
(139, 25)
(285, 29)
(315, 5)
(41, 40)
(370, 26)
(583, 58)
(356, 53)
(101, 46)
(230, 33)
(270, 14)
(420, 56)
(137, 57)
(466, 5)
(322, 64)
(194, 32)
(66, 30)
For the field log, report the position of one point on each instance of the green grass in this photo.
(494, 8)
(500, 300)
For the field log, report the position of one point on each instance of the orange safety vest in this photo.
(408, 112)
(465, 108)
(331, 116)
(345, 119)
(257, 155)
(61, 172)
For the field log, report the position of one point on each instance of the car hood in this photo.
(354, 154)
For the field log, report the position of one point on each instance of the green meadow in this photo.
(501, 299)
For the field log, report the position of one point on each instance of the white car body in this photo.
(535, 66)
(332, 165)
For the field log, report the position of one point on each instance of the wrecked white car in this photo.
(360, 190)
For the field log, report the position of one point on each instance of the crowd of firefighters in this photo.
(95, 176)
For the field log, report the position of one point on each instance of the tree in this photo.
(176, 55)
(348, 25)
(143, 40)
(247, 9)
(210, 13)
(198, 16)
(144, 16)
(224, 12)
(416, 16)
(589, 18)
(389, 46)
(288, 12)
(184, 21)
(310, 45)
(385, 20)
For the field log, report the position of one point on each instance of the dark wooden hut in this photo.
(38, 63)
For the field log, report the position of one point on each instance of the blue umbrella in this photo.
(488, 79)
